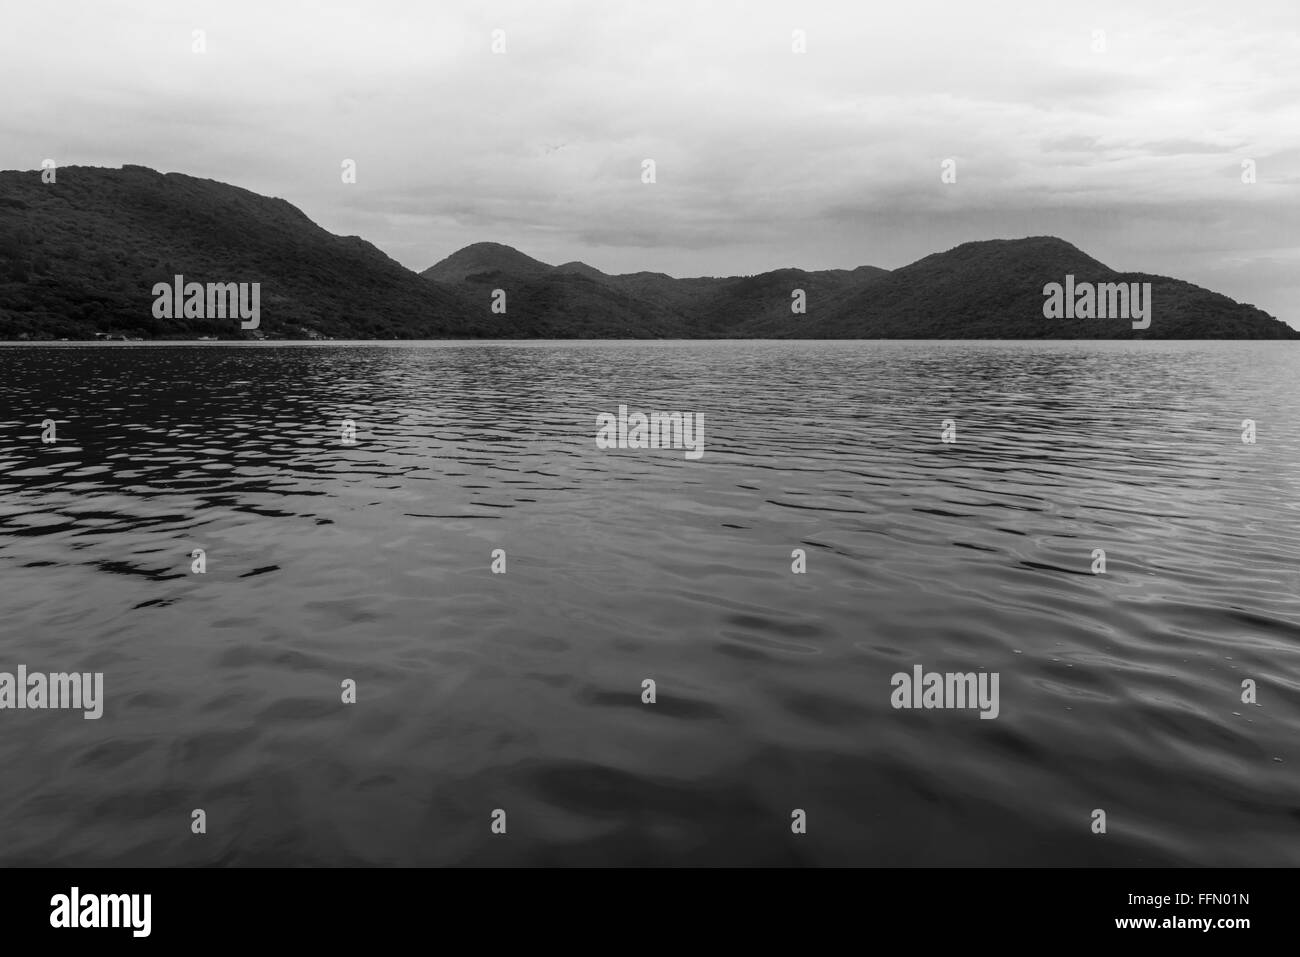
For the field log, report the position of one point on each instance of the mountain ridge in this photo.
(80, 257)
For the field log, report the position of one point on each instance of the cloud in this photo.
(765, 157)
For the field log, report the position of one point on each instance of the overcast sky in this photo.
(765, 157)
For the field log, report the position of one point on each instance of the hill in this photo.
(81, 257)
(482, 259)
(990, 289)
(545, 300)
(994, 289)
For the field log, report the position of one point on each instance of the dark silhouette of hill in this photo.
(582, 269)
(764, 302)
(481, 259)
(81, 256)
(543, 298)
(991, 289)
(994, 289)
(568, 305)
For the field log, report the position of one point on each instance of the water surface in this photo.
(522, 691)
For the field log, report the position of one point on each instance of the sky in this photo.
(1120, 127)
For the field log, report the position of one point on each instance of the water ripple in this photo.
(372, 561)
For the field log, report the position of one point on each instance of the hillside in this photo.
(568, 305)
(481, 259)
(82, 255)
(994, 289)
(991, 289)
(542, 298)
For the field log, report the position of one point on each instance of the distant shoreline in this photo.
(118, 344)
(148, 256)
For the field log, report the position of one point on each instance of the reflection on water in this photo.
(522, 691)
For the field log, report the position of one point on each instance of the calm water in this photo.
(522, 691)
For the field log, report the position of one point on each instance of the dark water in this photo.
(522, 691)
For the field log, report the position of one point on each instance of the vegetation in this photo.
(80, 257)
